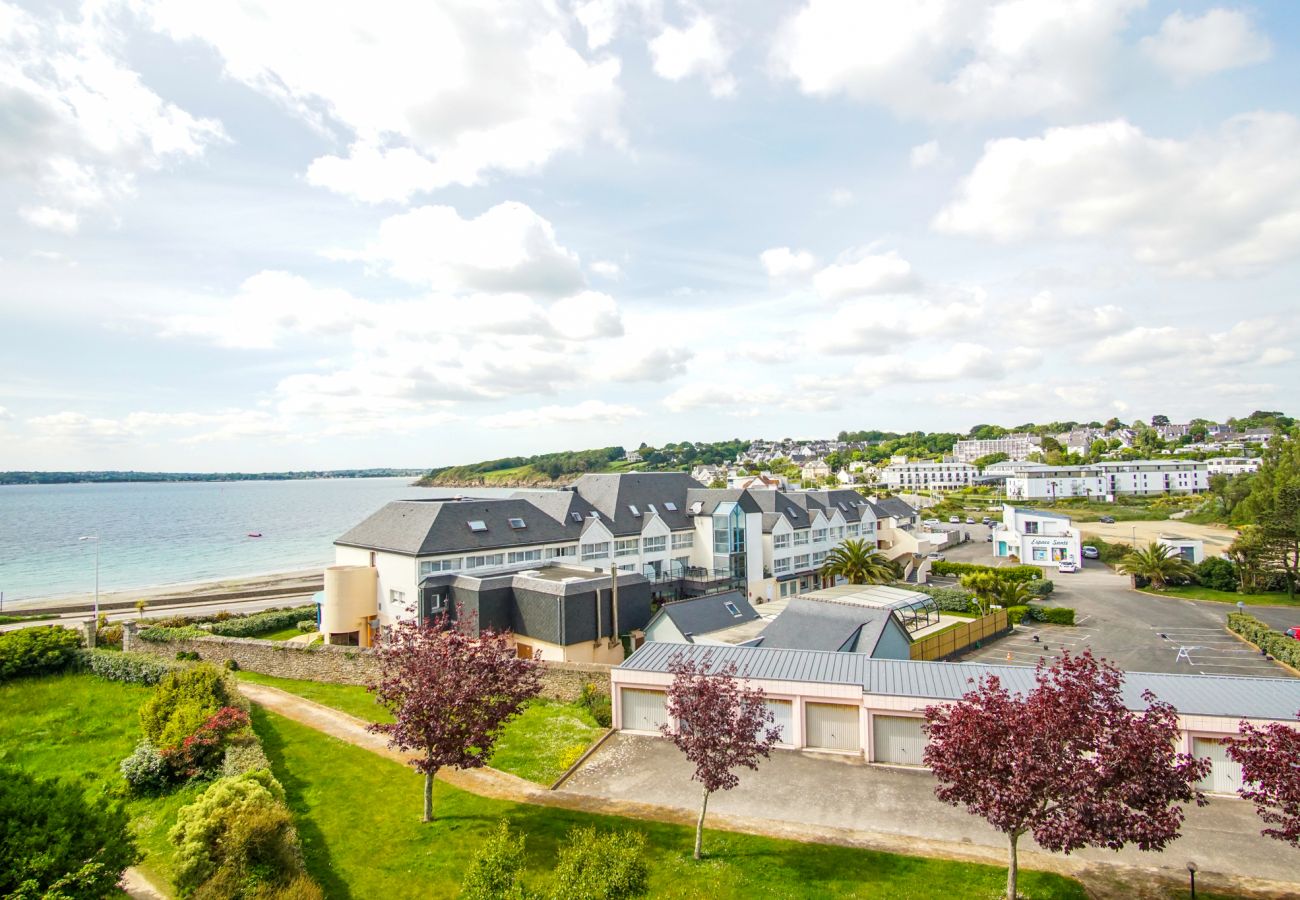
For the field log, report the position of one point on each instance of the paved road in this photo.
(73, 620)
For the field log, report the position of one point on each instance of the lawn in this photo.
(280, 634)
(1197, 592)
(538, 745)
(80, 727)
(359, 818)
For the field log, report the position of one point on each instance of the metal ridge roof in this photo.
(1250, 697)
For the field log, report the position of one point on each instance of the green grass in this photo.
(80, 727)
(1197, 592)
(10, 620)
(280, 634)
(359, 818)
(537, 745)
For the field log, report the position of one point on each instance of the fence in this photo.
(946, 643)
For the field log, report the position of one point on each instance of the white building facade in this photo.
(1016, 446)
(928, 476)
(1106, 480)
(1037, 537)
(1232, 465)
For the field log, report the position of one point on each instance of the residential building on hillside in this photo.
(1106, 480)
(929, 476)
(815, 471)
(1037, 537)
(1191, 550)
(1232, 465)
(1016, 446)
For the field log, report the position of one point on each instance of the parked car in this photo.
(1066, 567)
(1091, 552)
(1293, 632)
(936, 557)
(930, 522)
(954, 520)
(1109, 520)
(989, 521)
(970, 520)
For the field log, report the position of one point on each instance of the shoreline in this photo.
(265, 584)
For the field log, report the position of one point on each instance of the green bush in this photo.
(948, 599)
(1274, 643)
(183, 701)
(260, 623)
(1017, 614)
(244, 756)
(494, 872)
(145, 770)
(1052, 615)
(596, 702)
(308, 626)
(110, 636)
(132, 668)
(595, 865)
(163, 633)
(187, 656)
(57, 843)
(1010, 573)
(1041, 587)
(1217, 573)
(38, 650)
(237, 840)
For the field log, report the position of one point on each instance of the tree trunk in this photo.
(428, 795)
(699, 825)
(1013, 868)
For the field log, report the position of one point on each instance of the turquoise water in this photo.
(153, 534)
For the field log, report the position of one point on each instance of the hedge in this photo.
(1012, 573)
(1052, 615)
(1016, 614)
(1274, 643)
(260, 623)
(948, 599)
(163, 633)
(133, 668)
(38, 650)
(1041, 588)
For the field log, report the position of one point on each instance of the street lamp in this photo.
(1134, 542)
(95, 539)
(1191, 873)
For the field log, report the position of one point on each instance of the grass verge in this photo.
(359, 818)
(1197, 592)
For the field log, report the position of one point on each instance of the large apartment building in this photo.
(1016, 446)
(926, 476)
(1106, 480)
(683, 538)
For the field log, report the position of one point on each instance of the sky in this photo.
(299, 235)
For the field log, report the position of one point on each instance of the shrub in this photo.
(242, 757)
(1054, 615)
(187, 655)
(37, 650)
(569, 756)
(1041, 587)
(260, 623)
(201, 752)
(236, 840)
(1010, 573)
(182, 701)
(1217, 573)
(308, 626)
(596, 865)
(132, 668)
(110, 636)
(1016, 614)
(494, 872)
(230, 665)
(1274, 643)
(56, 842)
(163, 633)
(145, 770)
(596, 702)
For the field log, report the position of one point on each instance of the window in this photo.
(651, 507)
(599, 550)
(801, 562)
(683, 541)
(819, 534)
(670, 506)
(732, 608)
(595, 515)
(656, 544)
(837, 533)
(517, 523)
(558, 552)
(635, 511)
(780, 541)
(432, 566)
(489, 559)
(397, 598)
(855, 529)
(627, 567)
(627, 547)
(801, 538)
(781, 564)
(789, 588)
(818, 558)
(576, 516)
(519, 556)
(1040, 554)
(477, 525)
(1031, 528)
(681, 562)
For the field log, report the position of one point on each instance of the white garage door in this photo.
(1225, 775)
(783, 718)
(643, 710)
(832, 726)
(898, 740)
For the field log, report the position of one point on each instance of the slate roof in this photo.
(892, 506)
(818, 625)
(613, 496)
(710, 498)
(424, 527)
(1208, 695)
(703, 615)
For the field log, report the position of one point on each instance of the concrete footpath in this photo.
(906, 817)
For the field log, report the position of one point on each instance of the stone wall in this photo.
(337, 664)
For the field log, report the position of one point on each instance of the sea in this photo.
(171, 533)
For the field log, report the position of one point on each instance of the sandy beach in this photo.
(302, 581)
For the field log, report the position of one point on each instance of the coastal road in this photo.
(256, 604)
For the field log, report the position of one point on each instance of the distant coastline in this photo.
(131, 477)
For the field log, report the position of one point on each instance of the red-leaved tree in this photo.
(450, 694)
(1270, 768)
(719, 722)
(1067, 762)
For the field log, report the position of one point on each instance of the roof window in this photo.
(732, 608)
(518, 523)
(670, 506)
(651, 507)
(477, 525)
(595, 515)
(577, 516)
(635, 511)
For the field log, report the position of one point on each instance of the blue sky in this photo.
(250, 238)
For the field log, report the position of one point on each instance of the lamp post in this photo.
(1191, 873)
(94, 538)
(1134, 541)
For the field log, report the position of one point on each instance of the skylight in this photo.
(732, 608)
(577, 516)
(635, 511)
(651, 507)
(670, 506)
(477, 525)
(594, 514)
(518, 523)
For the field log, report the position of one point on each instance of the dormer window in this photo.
(477, 525)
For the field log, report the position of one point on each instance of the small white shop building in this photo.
(874, 708)
(1037, 537)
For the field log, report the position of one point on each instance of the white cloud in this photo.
(782, 262)
(924, 156)
(81, 125)
(1224, 201)
(588, 412)
(5, 415)
(429, 95)
(807, 396)
(694, 50)
(954, 362)
(950, 59)
(586, 316)
(507, 248)
(1221, 39)
(862, 272)
(606, 269)
(660, 364)
(1247, 343)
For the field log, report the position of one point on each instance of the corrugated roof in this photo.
(1207, 695)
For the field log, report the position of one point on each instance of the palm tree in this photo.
(1013, 593)
(1156, 563)
(858, 563)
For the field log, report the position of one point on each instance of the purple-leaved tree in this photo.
(1270, 768)
(1067, 762)
(450, 694)
(719, 722)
